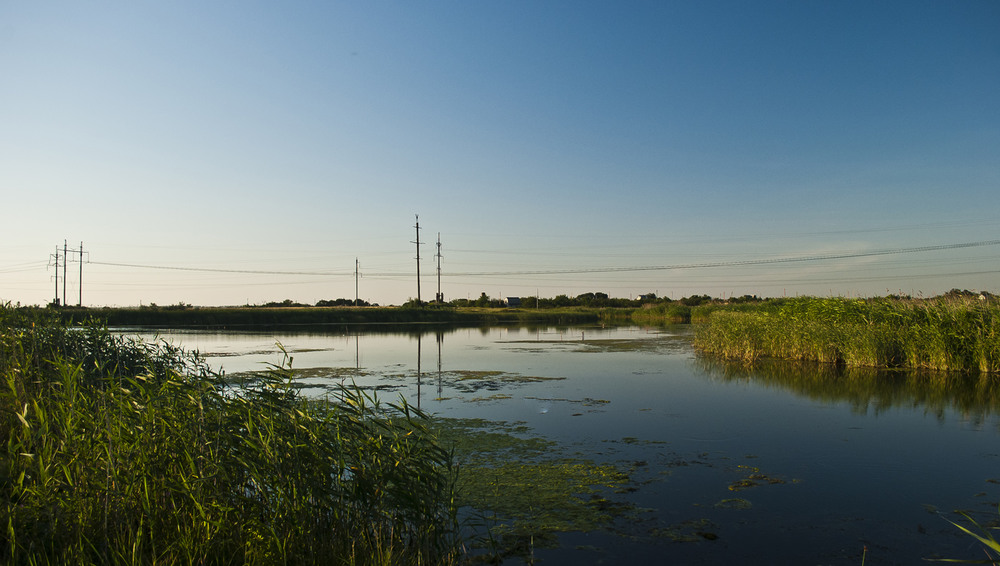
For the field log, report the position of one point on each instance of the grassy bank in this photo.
(946, 333)
(249, 317)
(119, 452)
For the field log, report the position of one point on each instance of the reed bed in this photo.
(122, 452)
(948, 334)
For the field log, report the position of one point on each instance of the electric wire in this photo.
(586, 270)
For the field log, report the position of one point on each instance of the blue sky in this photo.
(555, 146)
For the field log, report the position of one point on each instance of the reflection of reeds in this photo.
(123, 452)
(868, 390)
(940, 334)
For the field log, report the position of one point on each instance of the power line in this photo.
(703, 265)
(736, 263)
(217, 270)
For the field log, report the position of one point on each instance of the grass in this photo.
(121, 452)
(949, 334)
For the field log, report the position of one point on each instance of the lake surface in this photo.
(779, 464)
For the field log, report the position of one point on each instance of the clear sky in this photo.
(721, 148)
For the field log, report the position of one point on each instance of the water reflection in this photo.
(869, 390)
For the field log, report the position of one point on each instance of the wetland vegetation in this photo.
(950, 333)
(123, 452)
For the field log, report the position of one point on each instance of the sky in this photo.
(230, 153)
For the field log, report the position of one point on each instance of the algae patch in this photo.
(753, 478)
(526, 488)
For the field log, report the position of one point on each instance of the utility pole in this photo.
(80, 300)
(439, 298)
(417, 216)
(55, 300)
(357, 267)
(66, 260)
(64, 271)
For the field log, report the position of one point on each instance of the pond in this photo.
(672, 457)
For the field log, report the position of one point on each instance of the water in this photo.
(776, 465)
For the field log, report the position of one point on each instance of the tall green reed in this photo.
(121, 452)
(940, 334)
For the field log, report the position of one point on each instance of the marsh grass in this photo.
(950, 334)
(121, 452)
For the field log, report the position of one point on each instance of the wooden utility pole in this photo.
(357, 267)
(55, 300)
(417, 216)
(80, 300)
(64, 271)
(439, 297)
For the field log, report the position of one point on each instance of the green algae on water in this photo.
(529, 487)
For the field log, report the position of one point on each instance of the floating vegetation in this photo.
(693, 530)
(634, 440)
(578, 342)
(495, 397)
(753, 479)
(527, 488)
(654, 344)
(734, 503)
(327, 374)
(471, 381)
(586, 401)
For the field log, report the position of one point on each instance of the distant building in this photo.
(647, 297)
(513, 302)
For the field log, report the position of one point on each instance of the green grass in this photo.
(949, 334)
(120, 452)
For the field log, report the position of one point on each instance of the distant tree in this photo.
(285, 303)
(342, 303)
(746, 299)
(562, 301)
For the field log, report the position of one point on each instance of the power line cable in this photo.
(577, 271)
(736, 263)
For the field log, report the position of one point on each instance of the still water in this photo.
(777, 464)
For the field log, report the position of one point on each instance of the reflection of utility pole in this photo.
(440, 339)
(418, 256)
(418, 370)
(439, 298)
